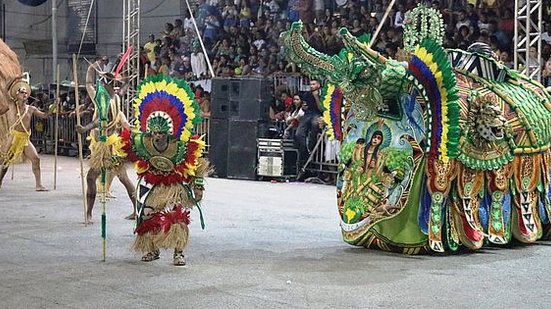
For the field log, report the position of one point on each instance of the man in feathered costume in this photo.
(105, 145)
(168, 163)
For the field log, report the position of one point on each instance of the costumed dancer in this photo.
(169, 165)
(18, 144)
(104, 147)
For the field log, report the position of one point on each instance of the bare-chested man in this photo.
(18, 143)
(102, 155)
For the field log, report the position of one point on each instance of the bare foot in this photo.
(110, 195)
(88, 220)
(131, 217)
(40, 189)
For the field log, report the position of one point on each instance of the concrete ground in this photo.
(265, 245)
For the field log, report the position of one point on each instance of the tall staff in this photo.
(56, 126)
(381, 23)
(79, 136)
(200, 39)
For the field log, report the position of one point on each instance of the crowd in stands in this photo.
(241, 37)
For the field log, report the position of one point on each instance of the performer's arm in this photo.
(316, 95)
(3, 107)
(124, 122)
(35, 111)
(83, 129)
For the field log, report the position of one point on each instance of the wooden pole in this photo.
(56, 126)
(381, 23)
(80, 157)
(211, 70)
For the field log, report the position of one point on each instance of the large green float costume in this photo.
(447, 149)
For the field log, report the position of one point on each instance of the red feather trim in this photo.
(162, 221)
(167, 179)
(126, 137)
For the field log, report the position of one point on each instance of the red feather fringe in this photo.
(162, 221)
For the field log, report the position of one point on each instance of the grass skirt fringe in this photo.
(162, 196)
(101, 156)
(144, 243)
(176, 238)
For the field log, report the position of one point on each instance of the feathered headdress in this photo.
(165, 104)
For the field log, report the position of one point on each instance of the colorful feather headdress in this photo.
(166, 104)
(431, 68)
(331, 101)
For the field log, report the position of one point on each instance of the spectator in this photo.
(183, 69)
(198, 63)
(506, 60)
(462, 20)
(294, 116)
(293, 8)
(165, 64)
(308, 129)
(546, 36)
(305, 11)
(168, 30)
(150, 47)
(204, 105)
(188, 22)
(245, 16)
(399, 17)
(178, 30)
(211, 28)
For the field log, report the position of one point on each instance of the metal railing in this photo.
(293, 82)
(43, 137)
(43, 134)
(323, 157)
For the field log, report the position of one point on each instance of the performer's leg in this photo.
(91, 190)
(179, 259)
(3, 172)
(108, 182)
(32, 155)
(123, 177)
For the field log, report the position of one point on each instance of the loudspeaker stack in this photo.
(239, 112)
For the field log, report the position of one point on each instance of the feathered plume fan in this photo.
(331, 101)
(431, 67)
(171, 99)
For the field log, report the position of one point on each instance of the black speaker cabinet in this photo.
(220, 108)
(249, 109)
(220, 88)
(242, 151)
(251, 88)
(218, 150)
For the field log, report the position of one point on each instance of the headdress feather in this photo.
(168, 98)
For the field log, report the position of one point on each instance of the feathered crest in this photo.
(331, 100)
(432, 69)
(168, 98)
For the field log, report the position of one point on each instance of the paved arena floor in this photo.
(266, 245)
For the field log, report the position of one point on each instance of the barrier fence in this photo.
(322, 158)
(43, 134)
